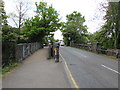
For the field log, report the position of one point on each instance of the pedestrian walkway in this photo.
(38, 72)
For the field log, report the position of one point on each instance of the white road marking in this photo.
(110, 69)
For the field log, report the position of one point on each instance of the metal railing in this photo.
(25, 49)
(17, 52)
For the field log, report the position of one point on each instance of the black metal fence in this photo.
(17, 52)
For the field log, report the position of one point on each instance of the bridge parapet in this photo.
(96, 48)
(25, 49)
(17, 52)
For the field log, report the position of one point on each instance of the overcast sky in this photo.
(88, 8)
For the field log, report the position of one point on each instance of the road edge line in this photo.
(73, 80)
(110, 69)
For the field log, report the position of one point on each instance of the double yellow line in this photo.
(73, 80)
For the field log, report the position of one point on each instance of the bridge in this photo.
(77, 68)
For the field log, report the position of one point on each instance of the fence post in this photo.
(23, 51)
(50, 51)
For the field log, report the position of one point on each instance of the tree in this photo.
(74, 29)
(8, 33)
(112, 22)
(109, 34)
(3, 16)
(112, 25)
(45, 21)
(20, 16)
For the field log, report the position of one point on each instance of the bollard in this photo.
(53, 52)
(49, 52)
(56, 52)
(57, 56)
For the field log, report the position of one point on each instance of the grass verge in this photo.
(9, 68)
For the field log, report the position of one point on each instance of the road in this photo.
(91, 70)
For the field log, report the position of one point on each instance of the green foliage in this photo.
(5, 70)
(3, 17)
(9, 67)
(74, 30)
(57, 40)
(8, 33)
(112, 24)
(109, 35)
(45, 21)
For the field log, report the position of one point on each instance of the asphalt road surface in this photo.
(91, 70)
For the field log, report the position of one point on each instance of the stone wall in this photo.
(96, 48)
